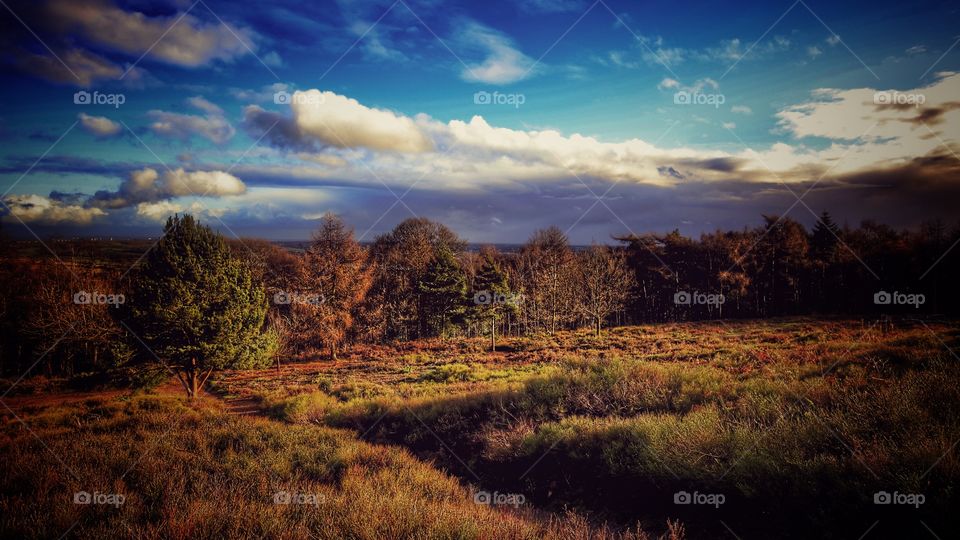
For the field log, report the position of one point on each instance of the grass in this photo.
(195, 472)
(797, 423)
(798, 418)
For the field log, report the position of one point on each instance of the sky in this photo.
(604, 118)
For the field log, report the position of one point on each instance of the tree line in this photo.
(196, 302)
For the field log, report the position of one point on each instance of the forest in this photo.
(77, 309)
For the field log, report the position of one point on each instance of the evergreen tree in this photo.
(401, 258)
(492, 296)
(824, 238)
(196, 306)
(443, 291)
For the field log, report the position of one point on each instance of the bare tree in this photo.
(605, 284)
(547, 261)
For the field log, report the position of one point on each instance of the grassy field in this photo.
(784, 428)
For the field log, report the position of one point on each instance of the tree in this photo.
(606, 283)
(278, 269)
(824, 239)
(67, 320)
(402, 257)
(547, 262)
(492, 296)
(336, 272)
(778, 262)
(196, 306)
(443, 291)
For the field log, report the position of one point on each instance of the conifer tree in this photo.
(443, 291)
(492, 296)
(335, 271)
(196, 306)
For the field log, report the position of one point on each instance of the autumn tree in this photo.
(196, 307)
(402, 257)
(335, 279)
(547, 262)
(605, 284)
(71, 317)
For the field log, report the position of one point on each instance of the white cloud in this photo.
(212, 126)
(474, 155)
(147, 186)
(99, 126)
(698, 86)
(668, 84)
(654, 52)
(730, 125)
(263, 95)
(204, 105)
(375, 44)
(735, 50)
(813, 51)
(866, 132)
(741, 109)
(180, 39)
(330, 119)
(85, 68)
(161, 210)
(504, 64)
(158, 211)
(45, 211)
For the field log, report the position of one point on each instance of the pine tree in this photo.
(492, 296)
(402, 257)
(196, 307)
(443, 290)
(824, 238)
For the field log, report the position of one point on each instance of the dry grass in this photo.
(191, 471)
(783, 418)
(797, 422)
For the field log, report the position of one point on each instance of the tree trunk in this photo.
(194, 381)
(493, 334)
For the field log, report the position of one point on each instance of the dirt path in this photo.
(243, 406)
(234, 405)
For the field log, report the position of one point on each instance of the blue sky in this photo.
(603, 118)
